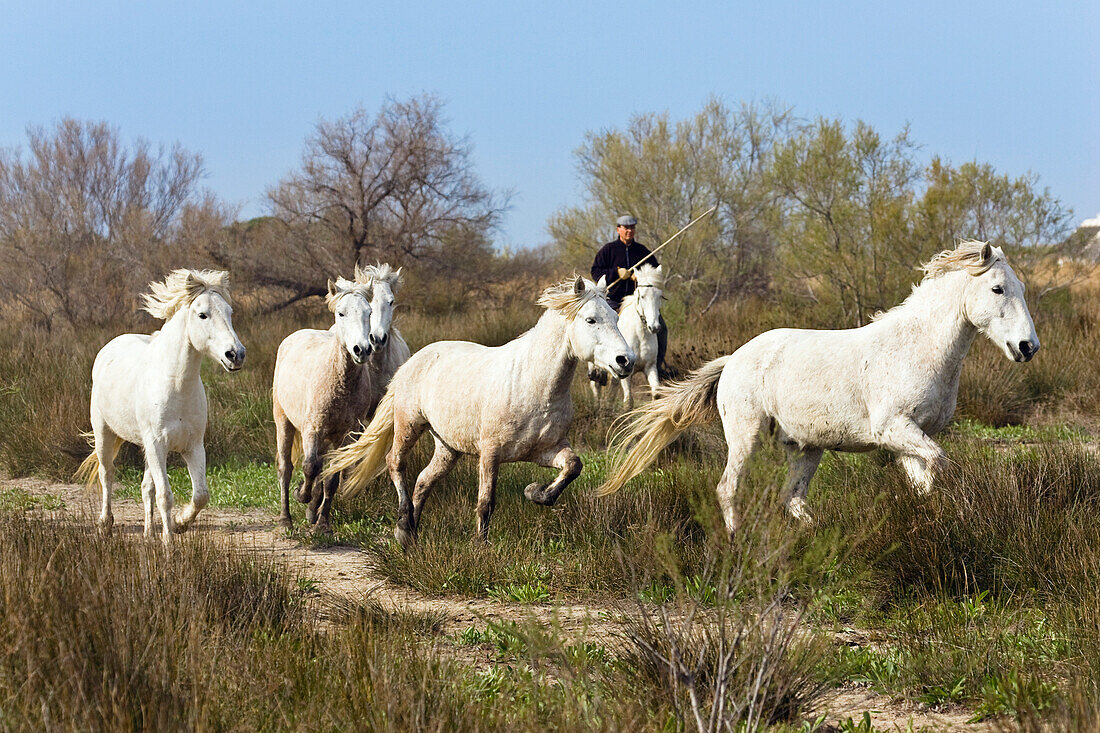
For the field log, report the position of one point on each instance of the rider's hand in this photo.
(625, 274)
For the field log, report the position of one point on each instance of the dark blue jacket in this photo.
(612, 256)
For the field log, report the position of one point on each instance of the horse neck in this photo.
(181, 360)
(345, 374)
(547, 355)
(941, 334)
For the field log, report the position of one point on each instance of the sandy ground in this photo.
(347, 573)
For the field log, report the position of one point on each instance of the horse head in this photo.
(385, 281)
(995, 304)
(350, 303)
(209, 315)
(594, 331)
(649, 295)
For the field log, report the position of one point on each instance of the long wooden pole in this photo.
(658, 249)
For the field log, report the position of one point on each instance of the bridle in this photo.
(638, 303)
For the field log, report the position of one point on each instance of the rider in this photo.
(617, 259)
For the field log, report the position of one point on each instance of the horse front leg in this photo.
(653, 379)
(488, 465)
(148, 496)
(195, 458)
(567, 462)
(156, 463)
(312, 462)
(331, 484)
(921, 458)
(628, 396)
(284, 447)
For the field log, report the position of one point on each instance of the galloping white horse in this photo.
(147, 390)
(504, 404)
(890, 384)
(326, 381)
(639, 321)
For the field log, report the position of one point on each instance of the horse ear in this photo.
(987, 252)
(578, 287)
(331, 287)
(602, 284)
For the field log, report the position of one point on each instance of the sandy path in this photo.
(347, 573)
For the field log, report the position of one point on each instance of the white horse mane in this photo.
(337, 290)
(966, 256)
(382, 272)
(180, 289)
(564, 297)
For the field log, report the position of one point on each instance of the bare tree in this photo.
(395, 186)
(85, 220)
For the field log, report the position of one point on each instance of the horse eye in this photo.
(203, 316)
(590, 321)
(339, 315)
(390, 303)
(998, 290)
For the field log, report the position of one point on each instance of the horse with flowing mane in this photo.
(503, 404)
(639, 322)
(326, 381)
(147, 390)
(891, 384)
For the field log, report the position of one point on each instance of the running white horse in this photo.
(639, 322)
(890, 384)
(147, 390)
(327, 381)
(503, 404)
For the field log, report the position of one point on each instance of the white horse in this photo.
(389, 349)
(147, 390)
(504, 404)
(639, 322)
(327, 381)
(890, 384)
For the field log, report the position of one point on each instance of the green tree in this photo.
(846, 216)
(973, 201)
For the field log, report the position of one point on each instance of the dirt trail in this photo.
(347, 573)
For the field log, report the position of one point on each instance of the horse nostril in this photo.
(378, 340)
(231, 355)
(622, 360)
(1026, 348)
(357, 349)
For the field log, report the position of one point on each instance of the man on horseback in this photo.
(617, 259)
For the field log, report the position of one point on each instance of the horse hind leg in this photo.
(443, 460)
(324, 522)
(802, 464)
(488, 466)
(107, 445)
(405, 435)
(741, 425)
(195, 458)
(569, 465)
(312, 463)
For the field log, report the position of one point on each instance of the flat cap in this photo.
(626, 221)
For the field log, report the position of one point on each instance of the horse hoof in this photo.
(323, 527)
(301, 495)
(104, 525)
(311, 516)
(537, 493)
(287, 522)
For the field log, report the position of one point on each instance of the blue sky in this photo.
(1013, 84)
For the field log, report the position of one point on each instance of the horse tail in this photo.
(365, 458)
(651, 427)
(88, 472)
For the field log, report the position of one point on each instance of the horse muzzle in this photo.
(233, 360)
(623, 366)
(359, 353)
(1023, 351)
